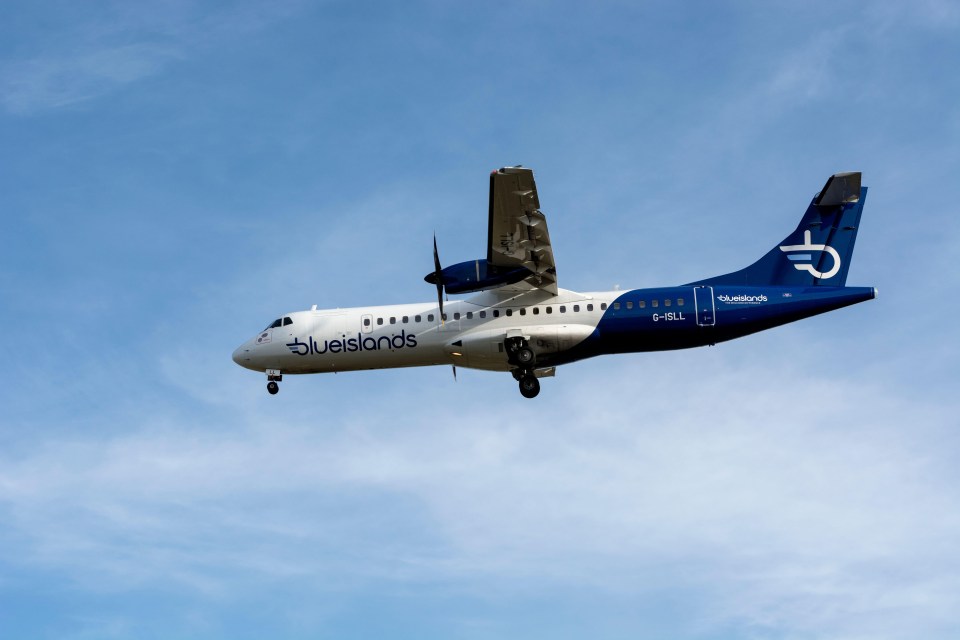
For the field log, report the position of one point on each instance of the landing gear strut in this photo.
(273, 377)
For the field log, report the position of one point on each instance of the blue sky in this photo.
(174, 176)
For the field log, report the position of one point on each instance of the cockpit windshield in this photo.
(279, 322)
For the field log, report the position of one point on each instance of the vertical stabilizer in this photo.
(819, 250)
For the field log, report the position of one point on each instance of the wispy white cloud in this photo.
(934, 15)
(48, 82)
(94, 54)
(807, 518)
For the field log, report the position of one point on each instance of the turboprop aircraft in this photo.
(523, 323)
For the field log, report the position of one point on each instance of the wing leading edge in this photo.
(518, 235)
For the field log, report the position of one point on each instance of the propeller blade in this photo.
(438, 277)
(454, 372)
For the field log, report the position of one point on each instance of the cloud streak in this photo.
(94, 53)
(49, 82)
(800, 518)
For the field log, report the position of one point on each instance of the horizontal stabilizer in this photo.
(841, 188)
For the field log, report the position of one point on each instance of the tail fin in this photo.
(818, 252)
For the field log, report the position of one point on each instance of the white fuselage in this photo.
(412, 335)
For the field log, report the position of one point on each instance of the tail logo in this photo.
(808, 247)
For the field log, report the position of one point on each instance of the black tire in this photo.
(525, 356)
(529, 386)
(273, 387)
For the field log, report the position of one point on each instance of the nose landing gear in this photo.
(273, 377)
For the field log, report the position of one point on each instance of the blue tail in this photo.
(818, 252)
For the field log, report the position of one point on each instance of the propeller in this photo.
(438, 276)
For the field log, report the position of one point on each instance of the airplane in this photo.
(523, 323)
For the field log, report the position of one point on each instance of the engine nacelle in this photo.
(477, 275)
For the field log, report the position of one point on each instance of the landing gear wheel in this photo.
(529, 386)
(519, 353)
(273, 387)
(525, 355)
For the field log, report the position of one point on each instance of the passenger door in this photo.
(706, 308)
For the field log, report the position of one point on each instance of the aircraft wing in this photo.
(518, 234)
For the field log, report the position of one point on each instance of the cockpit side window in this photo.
(276, 323)
(287, 321)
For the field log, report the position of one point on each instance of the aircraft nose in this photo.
(241, 355)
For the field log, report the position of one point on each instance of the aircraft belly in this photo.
(753, 310)
(740, 311)
(484, 349)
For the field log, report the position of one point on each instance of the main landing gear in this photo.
(273, 377)
(520, 354)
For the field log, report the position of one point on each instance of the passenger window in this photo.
(406, 319)
(483, 314)
(509, 312)
(679, 302)
(469, 315)
(655, 303)
(643, 304)
(563, 309)
(393, 320)
(444, 316)
(523, 312)
(549, 309)
(667, 302)
(629, 305)
(417, 318)
(287, 321)
(379, 320)
(456, 315)
(616, 306)
(536, 311)
(603, 306)
(590, 307)
(430, 317)
(576, 308)
(366, 322)
(496, 313)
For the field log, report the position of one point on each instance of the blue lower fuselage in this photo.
(682, 317)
